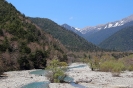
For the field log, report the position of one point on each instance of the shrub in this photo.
(24, 63)
(106, 66)
(56, 71)
(94, 63)
(24, 48)
(130, 68)
(117, 68)
(113, 66)
(38, 59)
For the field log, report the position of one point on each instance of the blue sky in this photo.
(76, 13)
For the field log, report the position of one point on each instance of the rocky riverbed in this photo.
(83, 76)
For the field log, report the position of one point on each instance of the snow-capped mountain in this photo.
(106, 26)
(99, 33)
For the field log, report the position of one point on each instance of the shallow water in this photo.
(37, 85)
(39, 72)
(79, 66)
(68, 79)
(77, 85)
(45, 84)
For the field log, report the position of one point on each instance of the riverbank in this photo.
(17, 79)
(81, 73)
(95, 79)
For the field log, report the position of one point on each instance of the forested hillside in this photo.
(69, 39)
(23, 45)
(122, 40)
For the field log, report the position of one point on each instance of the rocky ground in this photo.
(96, 79)
(17, 79)
(82, 75)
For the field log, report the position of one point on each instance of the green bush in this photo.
(113, 66)
(24, 63)
(106, 66)
(94, 63)
(24, 48)
(38, 58)
(56, 70)
(130, 68)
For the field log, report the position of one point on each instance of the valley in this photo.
(83, 75)
(37, 52)
(97, 34)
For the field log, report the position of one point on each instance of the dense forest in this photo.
(69, 39)
(23, 45)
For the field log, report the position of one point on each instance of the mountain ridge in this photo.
(75, 30)
(97, 34)
(71, 40)
(108, 25)
(121, 40)
(24, 45)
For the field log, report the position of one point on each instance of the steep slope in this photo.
(76, 30)
(108, 25)
(121, 40)
(23, 45)
(97, 36)
(99, 33)
(68, 38)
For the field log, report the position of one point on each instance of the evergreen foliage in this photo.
(122, 40)
(23, 45)
(56, 70)
(68, 38)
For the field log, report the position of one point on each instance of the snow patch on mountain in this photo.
(110, 25)
(77, 29)
(116, 24)
(98, 28)
(93, 29)
(105, 26)
(122, 21)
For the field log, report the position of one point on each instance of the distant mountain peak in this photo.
(68, 27)
(106, 26)
(76, 30)
(96, 34)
